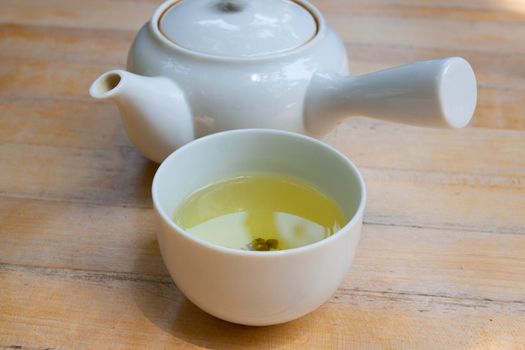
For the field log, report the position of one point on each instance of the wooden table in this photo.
(441, 263)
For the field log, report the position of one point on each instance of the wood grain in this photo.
(501, 92)
(123, 240)
(441, 262)
(129, 312)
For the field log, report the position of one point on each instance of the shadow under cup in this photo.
(247, 287)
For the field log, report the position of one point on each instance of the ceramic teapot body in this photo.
(227, 93)
(172, 95)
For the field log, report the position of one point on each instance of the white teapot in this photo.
(203, 66)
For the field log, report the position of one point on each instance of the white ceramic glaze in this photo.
(251, 29)
(436, 93)
(305, 89)
(146, 104)
(247, 287)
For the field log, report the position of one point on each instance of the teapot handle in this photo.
(435, 93)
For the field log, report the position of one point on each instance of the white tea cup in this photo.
(250, 287)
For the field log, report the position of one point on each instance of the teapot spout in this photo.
(436, 93)
(154, 111)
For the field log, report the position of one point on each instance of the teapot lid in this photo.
(238, 28)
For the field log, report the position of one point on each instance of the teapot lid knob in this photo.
(233, 5)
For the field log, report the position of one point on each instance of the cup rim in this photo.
(215, 247)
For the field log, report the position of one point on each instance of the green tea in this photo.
(260, 212)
